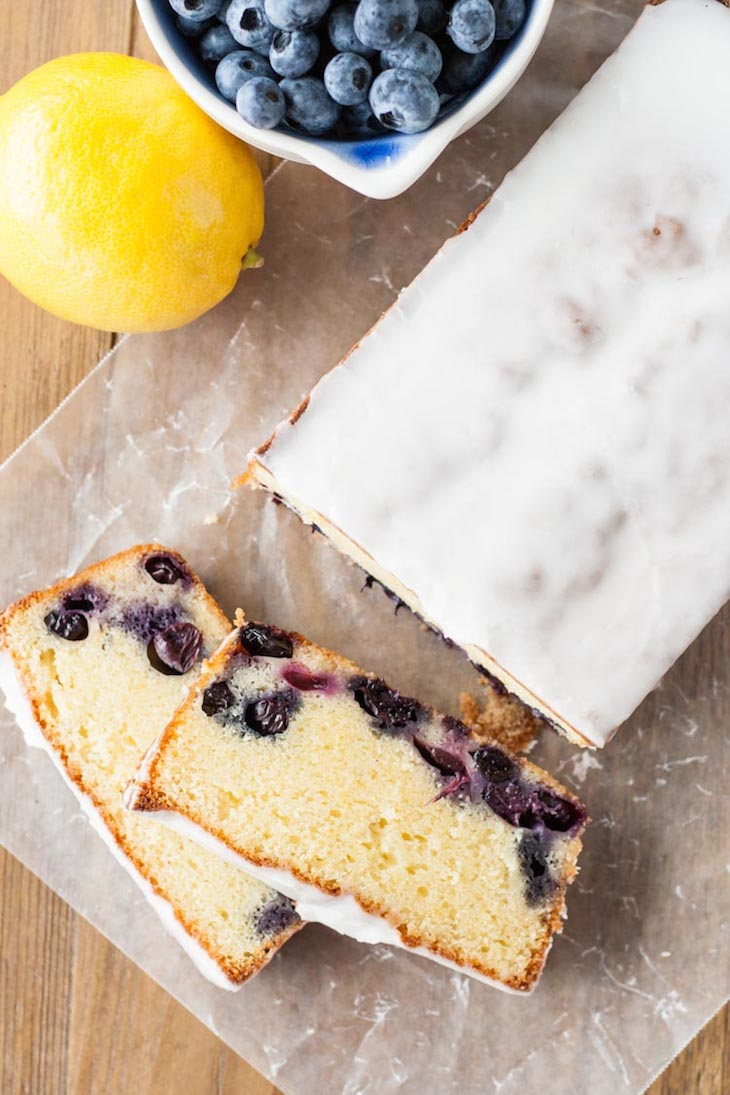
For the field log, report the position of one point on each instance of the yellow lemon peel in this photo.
(123, 206)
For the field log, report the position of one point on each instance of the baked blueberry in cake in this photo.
(376, 814)
(93, 668)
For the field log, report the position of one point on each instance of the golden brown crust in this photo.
(466, 224)
(294, 418)
(237, 973)
(504, 719)
(146, 796)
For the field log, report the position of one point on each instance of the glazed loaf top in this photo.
(532, 447)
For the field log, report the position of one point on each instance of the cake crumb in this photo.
(502, 719)
(239, 618)
(211, 519)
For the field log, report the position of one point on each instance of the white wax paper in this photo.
(147, 447)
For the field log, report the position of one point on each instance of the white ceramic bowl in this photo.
(379, 167)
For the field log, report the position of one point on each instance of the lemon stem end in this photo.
(252, 259)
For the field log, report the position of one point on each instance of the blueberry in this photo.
(405, 101)
(461, 72)
(495, 765)
(260, 102)
(348, 78)
(381, 24)
(558, 813)
(144, 619)
(192, 28)
(196, 11)
(265, 642)
(308, 106)
(359, 121)
(455, 730)
(511, 801)
(522, 804)
(293, 52)
(215, 43)
(392, 711)
(276, 917)
(176, 649)
(301, 677)
(432, 17)
(472, 25)
(164, 569)
(217, 697)
(295, 14)
(85, 598)
(534, 862)
(510, 15)
(238, 67)
(81, 603)
(341, 28)
(72, 626)
(269, 715)
(247, 22)
(418, 53)
(440, 757)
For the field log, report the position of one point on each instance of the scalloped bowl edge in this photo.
(379, 167)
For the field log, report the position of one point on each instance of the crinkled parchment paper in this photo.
(146, 448)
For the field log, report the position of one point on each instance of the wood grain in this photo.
(77, 1017)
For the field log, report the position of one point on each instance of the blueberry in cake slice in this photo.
(378, 816)
(93, 668)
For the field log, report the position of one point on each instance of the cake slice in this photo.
(528, 448)
(375, 814)
(92, 669)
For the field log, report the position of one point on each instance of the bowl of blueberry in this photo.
(369, 91)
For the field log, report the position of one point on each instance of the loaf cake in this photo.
(375, 814)
(527, 449)
(95, 667)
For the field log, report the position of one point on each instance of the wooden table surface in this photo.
(75, 1015)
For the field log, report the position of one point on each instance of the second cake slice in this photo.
(377, 815)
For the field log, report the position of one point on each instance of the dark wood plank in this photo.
(704, 1066)
(37, 946)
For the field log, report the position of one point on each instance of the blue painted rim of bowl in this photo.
(380, 166)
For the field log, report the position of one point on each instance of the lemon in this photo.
(122, 205)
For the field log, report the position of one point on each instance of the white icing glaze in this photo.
(534, 439)
(19, 706)
(342, 913)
